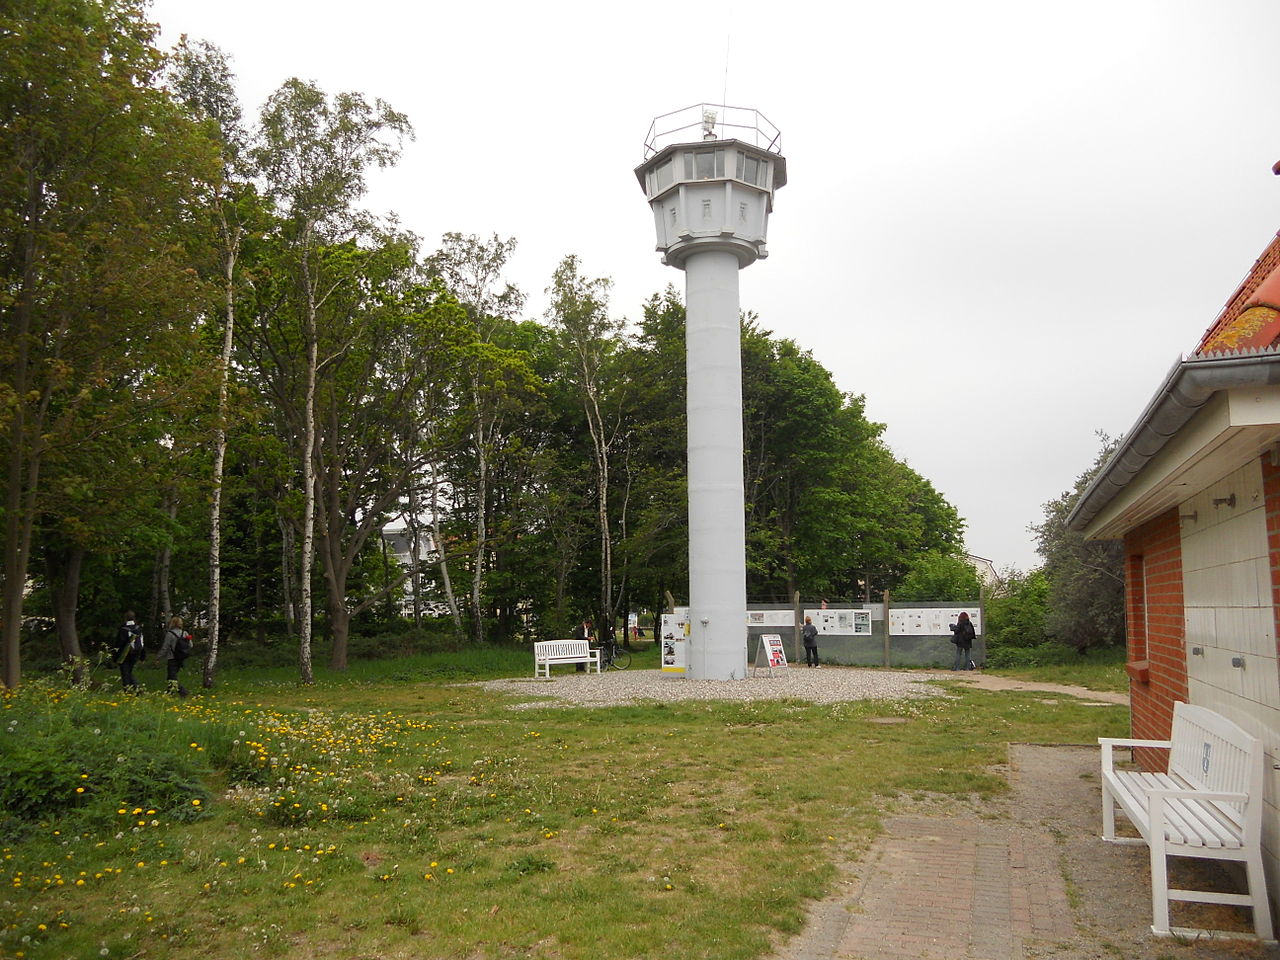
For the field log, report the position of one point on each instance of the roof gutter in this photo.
(1187, 387)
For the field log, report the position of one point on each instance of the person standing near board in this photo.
(810, 635)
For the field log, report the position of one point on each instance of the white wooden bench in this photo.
(1209, 805)
(548, 653)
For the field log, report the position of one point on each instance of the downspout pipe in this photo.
(1188, 386)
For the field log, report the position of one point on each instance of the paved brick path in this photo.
(947, 888)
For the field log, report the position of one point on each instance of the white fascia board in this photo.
(1231, 428)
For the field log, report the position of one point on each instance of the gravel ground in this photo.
(821, 685)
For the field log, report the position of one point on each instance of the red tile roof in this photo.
(1251, 318)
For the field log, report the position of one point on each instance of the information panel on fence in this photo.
(841, 623)
(771, 618)
(930, 621)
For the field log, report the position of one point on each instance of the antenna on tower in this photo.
(724, 97)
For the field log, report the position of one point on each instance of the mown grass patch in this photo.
(390, 816)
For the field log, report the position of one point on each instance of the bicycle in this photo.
(614, 657)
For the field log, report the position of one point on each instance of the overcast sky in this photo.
(1005, 221)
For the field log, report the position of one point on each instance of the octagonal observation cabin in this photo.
(709, 174)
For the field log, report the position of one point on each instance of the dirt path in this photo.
(987, 681)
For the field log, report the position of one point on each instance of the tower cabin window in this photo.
(661, 176)
(703, 164)
(751, 169)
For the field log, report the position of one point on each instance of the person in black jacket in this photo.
(962, 635)
(129, 650)
(582, 632)
(809, 633)
(174, 651)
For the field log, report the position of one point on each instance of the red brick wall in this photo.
(1156, 629)
(1271, 493)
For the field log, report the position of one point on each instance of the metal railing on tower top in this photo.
(712, 121)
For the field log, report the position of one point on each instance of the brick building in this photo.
(1194, 493)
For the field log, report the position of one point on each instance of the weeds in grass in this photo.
(1098, 670)
(368, 816)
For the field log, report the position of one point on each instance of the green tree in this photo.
(1016, 616)
(939, 576)
(202, 80)
(1086, 577)
(579, 313)
(100, 172)
(830, 510)
(653, 543)
(312, 156)
(497, 380)
(380, 398)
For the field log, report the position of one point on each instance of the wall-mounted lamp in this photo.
(1238, 662)
(1225, 501)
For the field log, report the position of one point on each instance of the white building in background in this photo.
(986, 571)
(398, 539)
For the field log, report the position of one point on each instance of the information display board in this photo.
(771, 618)
(930, 621)
(841, 623)
(674, 639)
(769, 653)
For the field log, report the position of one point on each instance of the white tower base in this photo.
(717, 525)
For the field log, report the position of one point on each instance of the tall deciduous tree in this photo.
(379, 399)
(472, 268)
(202, 79)
(579, 312)
(313, 156)
(99, 168)
(1086, 577)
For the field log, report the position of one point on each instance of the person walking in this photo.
(129, 650)
(962, 634)
(174, 651)
(810, 635)
(582, 632)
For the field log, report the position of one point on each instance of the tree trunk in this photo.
(482, 508)
(286, 574)
(64, 573)
(339, 630)
(414, 529)
(446, 583)
(259, 617)
(19, 522)
(24, 464)
(164, 563)
(308, 481)
(220, 457)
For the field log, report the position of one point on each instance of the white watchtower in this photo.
(711, 199)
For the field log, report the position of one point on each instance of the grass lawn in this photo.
(391, 812)
(1096, 670)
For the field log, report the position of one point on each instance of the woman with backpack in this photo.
(175, 649)
(962, 635)
(129, 650)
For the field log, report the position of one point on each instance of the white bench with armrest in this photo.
(1208, 805)
(548, 653)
